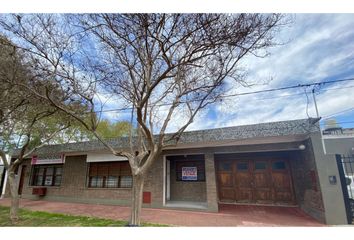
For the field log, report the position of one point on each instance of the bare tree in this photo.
(162, 65)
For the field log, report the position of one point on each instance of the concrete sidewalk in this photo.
(229, 215)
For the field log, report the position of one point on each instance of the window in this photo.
(110, 175)
(46, 175)
(278, 165)
(260, 165)
(199, 164)
(242, 166)
(225, 166)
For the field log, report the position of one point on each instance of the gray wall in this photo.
(331, 194)
(340, 145)
(343, 145)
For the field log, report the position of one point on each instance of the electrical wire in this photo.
(307, 103)
(254, 92)
(340, 112)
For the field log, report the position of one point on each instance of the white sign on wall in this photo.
(104, 157)
(189, 173)
(55, 160)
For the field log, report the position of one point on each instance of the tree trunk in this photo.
(137, 199)
(13, 183)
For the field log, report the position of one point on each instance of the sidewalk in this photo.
(229, 215)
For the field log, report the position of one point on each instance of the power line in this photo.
(345, 122)
(340, 112)
(290, 87)
(282, 96)
(331, 89)
(166, 104)
(253, 92)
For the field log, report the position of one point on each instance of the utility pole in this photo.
(314, 100)
(318, 116)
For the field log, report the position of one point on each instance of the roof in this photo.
(300, 127)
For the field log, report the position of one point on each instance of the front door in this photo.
(262, 182)
(281, 179)
(243, 181)
(255, 181)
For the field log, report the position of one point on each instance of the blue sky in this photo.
(318, 48)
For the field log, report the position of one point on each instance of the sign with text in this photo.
(55, 160)
(189, 173)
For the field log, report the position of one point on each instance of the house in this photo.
(341, 142)
(276, 163)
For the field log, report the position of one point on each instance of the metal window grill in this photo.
(346, 172)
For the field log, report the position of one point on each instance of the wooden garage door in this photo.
(255, 181)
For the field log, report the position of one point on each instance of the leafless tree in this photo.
(162, 65)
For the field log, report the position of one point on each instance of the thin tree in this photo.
(162, 65)
(22, 119)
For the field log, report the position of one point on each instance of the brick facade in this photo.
(74, 187)
(74, 182)
(306, 183)
(187, 191)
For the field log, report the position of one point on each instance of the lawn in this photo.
(44, 219)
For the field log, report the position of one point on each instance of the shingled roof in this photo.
(262, 130)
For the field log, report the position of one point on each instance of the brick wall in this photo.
(186, 190)
(212, 197)
(306, 182)
(74, 185)
(154, 183)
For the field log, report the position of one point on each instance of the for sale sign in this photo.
(189, 173)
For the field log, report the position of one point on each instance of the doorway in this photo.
(258, 180)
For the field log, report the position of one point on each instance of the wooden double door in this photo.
(265, 181)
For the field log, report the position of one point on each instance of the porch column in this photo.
(212, 198)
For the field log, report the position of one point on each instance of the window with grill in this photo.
(46, 175)
(110, 175)
(199, 164)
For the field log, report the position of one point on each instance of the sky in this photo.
(316, 48)
(321, 49)
(313, 48)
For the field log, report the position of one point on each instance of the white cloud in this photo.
(321, 48)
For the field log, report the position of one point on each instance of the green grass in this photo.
(29, 218)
